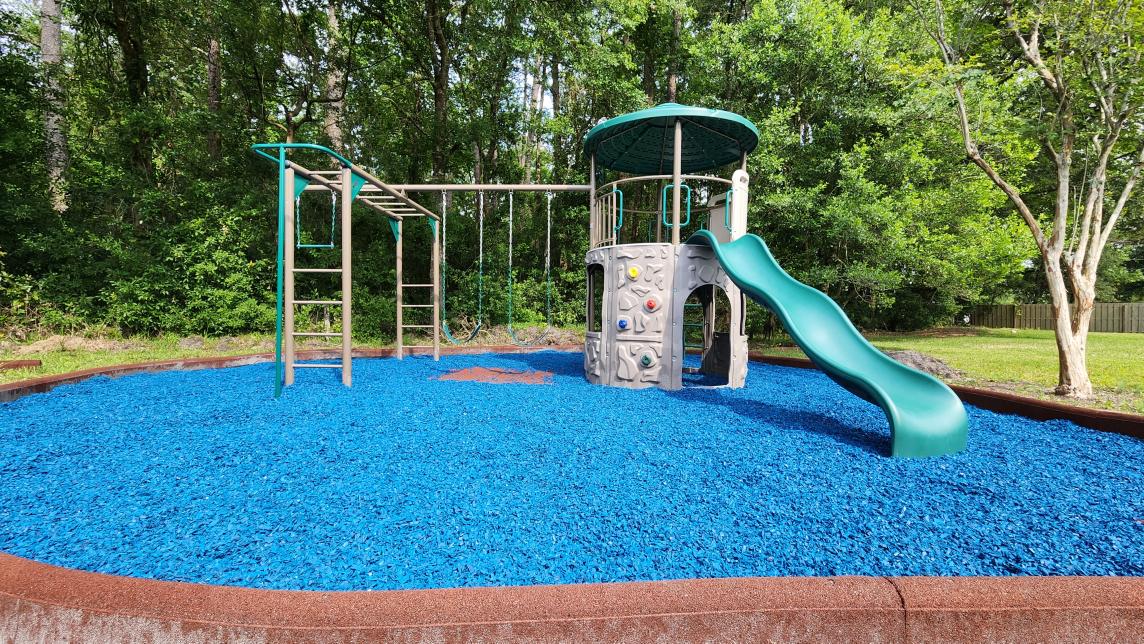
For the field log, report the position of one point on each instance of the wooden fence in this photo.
(1108, 317)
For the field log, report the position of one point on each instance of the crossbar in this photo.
(490, 187)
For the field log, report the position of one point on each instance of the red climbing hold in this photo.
(651, 304)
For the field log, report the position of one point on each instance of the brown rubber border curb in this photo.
(41, 602)
(1118, 422)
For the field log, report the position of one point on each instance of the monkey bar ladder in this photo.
(350, 183)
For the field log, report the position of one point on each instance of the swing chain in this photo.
(481, 248)
(444, 230)
(548, 261)
(510, 252)
(298, 221)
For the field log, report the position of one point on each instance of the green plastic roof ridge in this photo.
(641, 142)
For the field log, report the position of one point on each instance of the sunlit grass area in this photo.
(1025, 360)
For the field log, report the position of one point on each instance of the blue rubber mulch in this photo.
(405, 481)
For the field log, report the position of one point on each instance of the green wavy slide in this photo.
(926, 417)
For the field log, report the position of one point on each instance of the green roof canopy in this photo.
(643, 142)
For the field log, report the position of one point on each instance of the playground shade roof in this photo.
(643, 142)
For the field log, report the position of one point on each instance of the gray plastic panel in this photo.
(641, 341)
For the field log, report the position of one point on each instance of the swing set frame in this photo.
(349, 184)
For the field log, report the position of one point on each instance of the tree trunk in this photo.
(55, 125)
(646, 40)
(334, 83)
(214, 97)
(532, 136)
(673, 78)
(125, 20)
(436, 21)
(1071, 332)
(559, 150)
(649, 77)
(554, 88)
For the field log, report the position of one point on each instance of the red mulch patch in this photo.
(499, 376)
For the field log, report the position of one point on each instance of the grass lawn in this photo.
(59, 354)
(1023, 361)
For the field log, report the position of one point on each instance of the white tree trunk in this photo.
(55, 124)
(1071, 331)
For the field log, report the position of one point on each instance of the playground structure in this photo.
(347, 185)
(639, 331)
(647, 296)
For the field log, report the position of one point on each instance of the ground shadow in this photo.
(571, 364)
(558, 363)
(803, 420)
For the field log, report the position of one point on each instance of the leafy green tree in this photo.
(1060, 86)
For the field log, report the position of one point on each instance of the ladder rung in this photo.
(318, 302)
(416, 285)
(418, 326)
(416, 306)
(318, 334)
(317, 270)
(312, 365)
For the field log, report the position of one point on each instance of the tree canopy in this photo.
(130, 199)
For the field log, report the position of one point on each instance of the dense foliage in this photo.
(860, 183)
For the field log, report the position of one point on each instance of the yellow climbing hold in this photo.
(633, 272)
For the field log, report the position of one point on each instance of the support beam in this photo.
(288, 278)
(400, 301)
(592, 234)
(489, 187)
(436, 273)
(676, 171)
(347, 280)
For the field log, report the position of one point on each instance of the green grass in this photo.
(1022, 361)
(1025, 360)
(60, 354)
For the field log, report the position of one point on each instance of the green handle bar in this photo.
(620, 222)
(259, 147)
(727, 209)
(663, 210)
